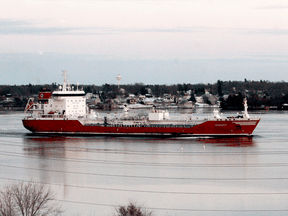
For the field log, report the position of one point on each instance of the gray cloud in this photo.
(9, 26)
(271, 7)
(23, 27)
(266, 31)
(165, 30)
(11, 23)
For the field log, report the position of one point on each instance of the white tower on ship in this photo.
(65, 81)
(118, 77)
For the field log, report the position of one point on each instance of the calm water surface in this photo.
(182, 176)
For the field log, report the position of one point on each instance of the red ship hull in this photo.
(230, 127)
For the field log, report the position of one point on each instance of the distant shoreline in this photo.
(12, 108)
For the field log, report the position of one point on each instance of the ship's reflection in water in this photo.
(57, 145)
(229, 141)
(60, 146)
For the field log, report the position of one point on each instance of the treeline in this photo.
(142, 89)
(24, 90)
(220, 88)
(230, 93)
(260, 94)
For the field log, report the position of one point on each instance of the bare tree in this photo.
(132, 210)
(28, 199)
(6, 204)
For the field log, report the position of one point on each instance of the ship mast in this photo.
(65, 80)
(246, 108)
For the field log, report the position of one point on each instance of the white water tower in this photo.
(118, 77)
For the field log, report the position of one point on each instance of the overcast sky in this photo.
(152, 41)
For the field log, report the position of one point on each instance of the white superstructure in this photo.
(68, 105)
(65, 101)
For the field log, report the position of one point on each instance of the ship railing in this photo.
(47, 116)
(143, 125)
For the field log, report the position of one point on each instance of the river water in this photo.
(179, 176)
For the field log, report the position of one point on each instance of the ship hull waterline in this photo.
(75, 127)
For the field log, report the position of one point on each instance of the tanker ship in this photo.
(64, 111)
